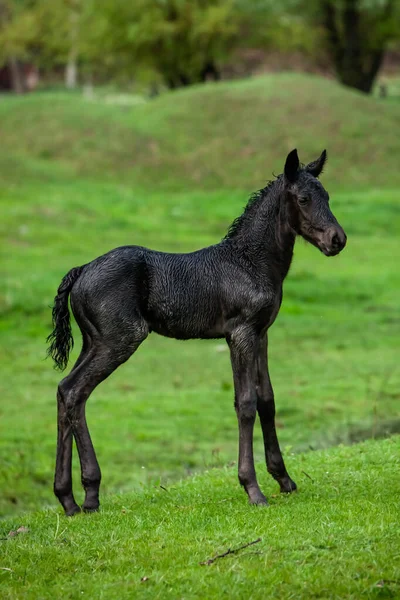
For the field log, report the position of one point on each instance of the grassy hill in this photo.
(79, 177)
(337, 537)
(231, 135)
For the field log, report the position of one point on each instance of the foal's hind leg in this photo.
(101, 360)
(266, 412)
(63, 475)
(100, 363)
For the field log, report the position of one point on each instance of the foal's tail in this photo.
(61, 340)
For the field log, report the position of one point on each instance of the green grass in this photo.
(79, 178)
(338, 537)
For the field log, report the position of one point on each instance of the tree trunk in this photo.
(17, 76)
(356, 60)
(71, 71)
(361, 77)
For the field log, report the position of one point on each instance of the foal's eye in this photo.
(303, 200)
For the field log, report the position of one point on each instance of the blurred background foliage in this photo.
(176, 43)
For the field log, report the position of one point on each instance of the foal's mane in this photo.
(254, 201)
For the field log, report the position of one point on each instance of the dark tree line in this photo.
(180, 42)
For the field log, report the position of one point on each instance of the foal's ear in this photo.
(292, 166)
(315, 167)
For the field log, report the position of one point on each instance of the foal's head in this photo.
(309, 213)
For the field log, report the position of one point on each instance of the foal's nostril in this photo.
(335, 241)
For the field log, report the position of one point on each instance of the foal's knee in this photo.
(246, 407)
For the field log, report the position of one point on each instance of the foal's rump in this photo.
(109, 297)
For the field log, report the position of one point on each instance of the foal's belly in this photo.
(185, 323)
(185, 334)
(200, 323)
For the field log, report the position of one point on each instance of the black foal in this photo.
(232, 290)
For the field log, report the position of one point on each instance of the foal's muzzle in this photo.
(333, 241)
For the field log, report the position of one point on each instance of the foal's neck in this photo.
(262, 233)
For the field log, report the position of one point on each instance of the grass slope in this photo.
(338, 537)
(66, 198)
(230, 135)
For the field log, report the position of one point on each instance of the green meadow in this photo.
(338, 537)
(81, 176)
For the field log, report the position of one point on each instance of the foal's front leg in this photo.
(244, 365)
(266, 412)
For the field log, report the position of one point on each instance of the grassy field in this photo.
(80, 177)
(338, 537)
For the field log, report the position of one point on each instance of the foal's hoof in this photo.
(258, 500)
(287, 486)
(91, 509)
(74, 510)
